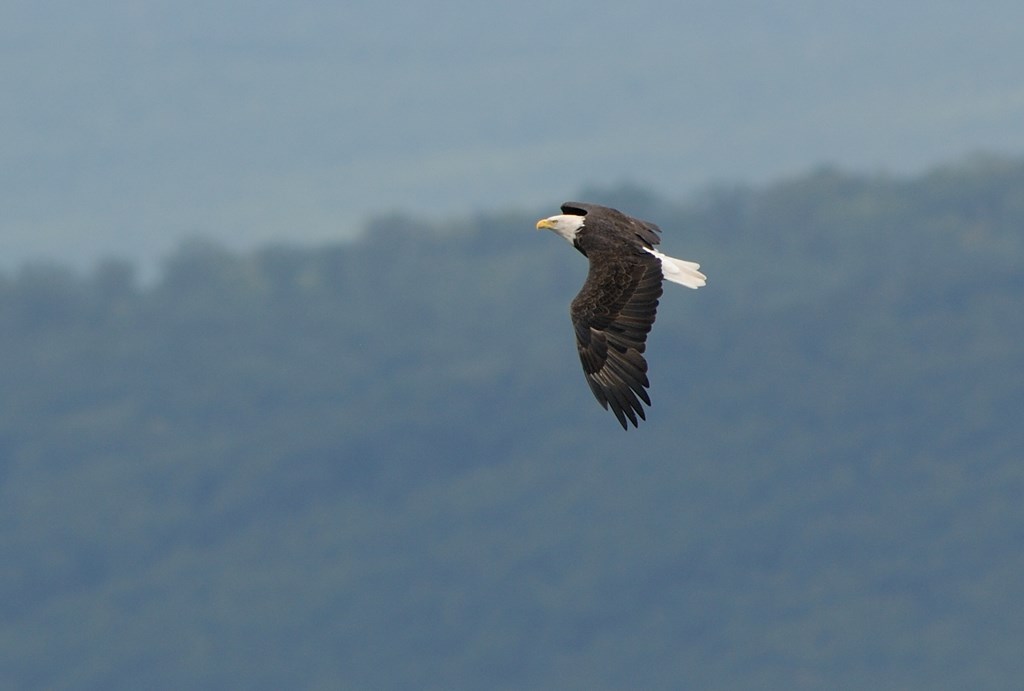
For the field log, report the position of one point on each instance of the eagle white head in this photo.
(566, 225)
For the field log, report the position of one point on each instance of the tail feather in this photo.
(679, 270)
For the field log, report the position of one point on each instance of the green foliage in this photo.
(377, 465)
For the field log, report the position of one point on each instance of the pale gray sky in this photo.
(126, 126)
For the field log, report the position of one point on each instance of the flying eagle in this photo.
(615, 309)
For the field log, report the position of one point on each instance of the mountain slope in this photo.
(378, 465)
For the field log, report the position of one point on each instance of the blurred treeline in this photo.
(377, 465)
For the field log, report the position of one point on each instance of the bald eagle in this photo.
(615, 309)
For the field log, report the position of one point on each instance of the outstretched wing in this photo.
(612, 316)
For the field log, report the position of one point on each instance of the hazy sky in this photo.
(126, 126)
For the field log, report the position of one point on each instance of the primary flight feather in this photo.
(614, 311)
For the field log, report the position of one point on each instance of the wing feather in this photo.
(612, 315)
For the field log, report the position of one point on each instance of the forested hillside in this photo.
(377, 465)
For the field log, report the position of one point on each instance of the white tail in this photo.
(679, 270)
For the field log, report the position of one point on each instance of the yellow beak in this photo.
(545, 224)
